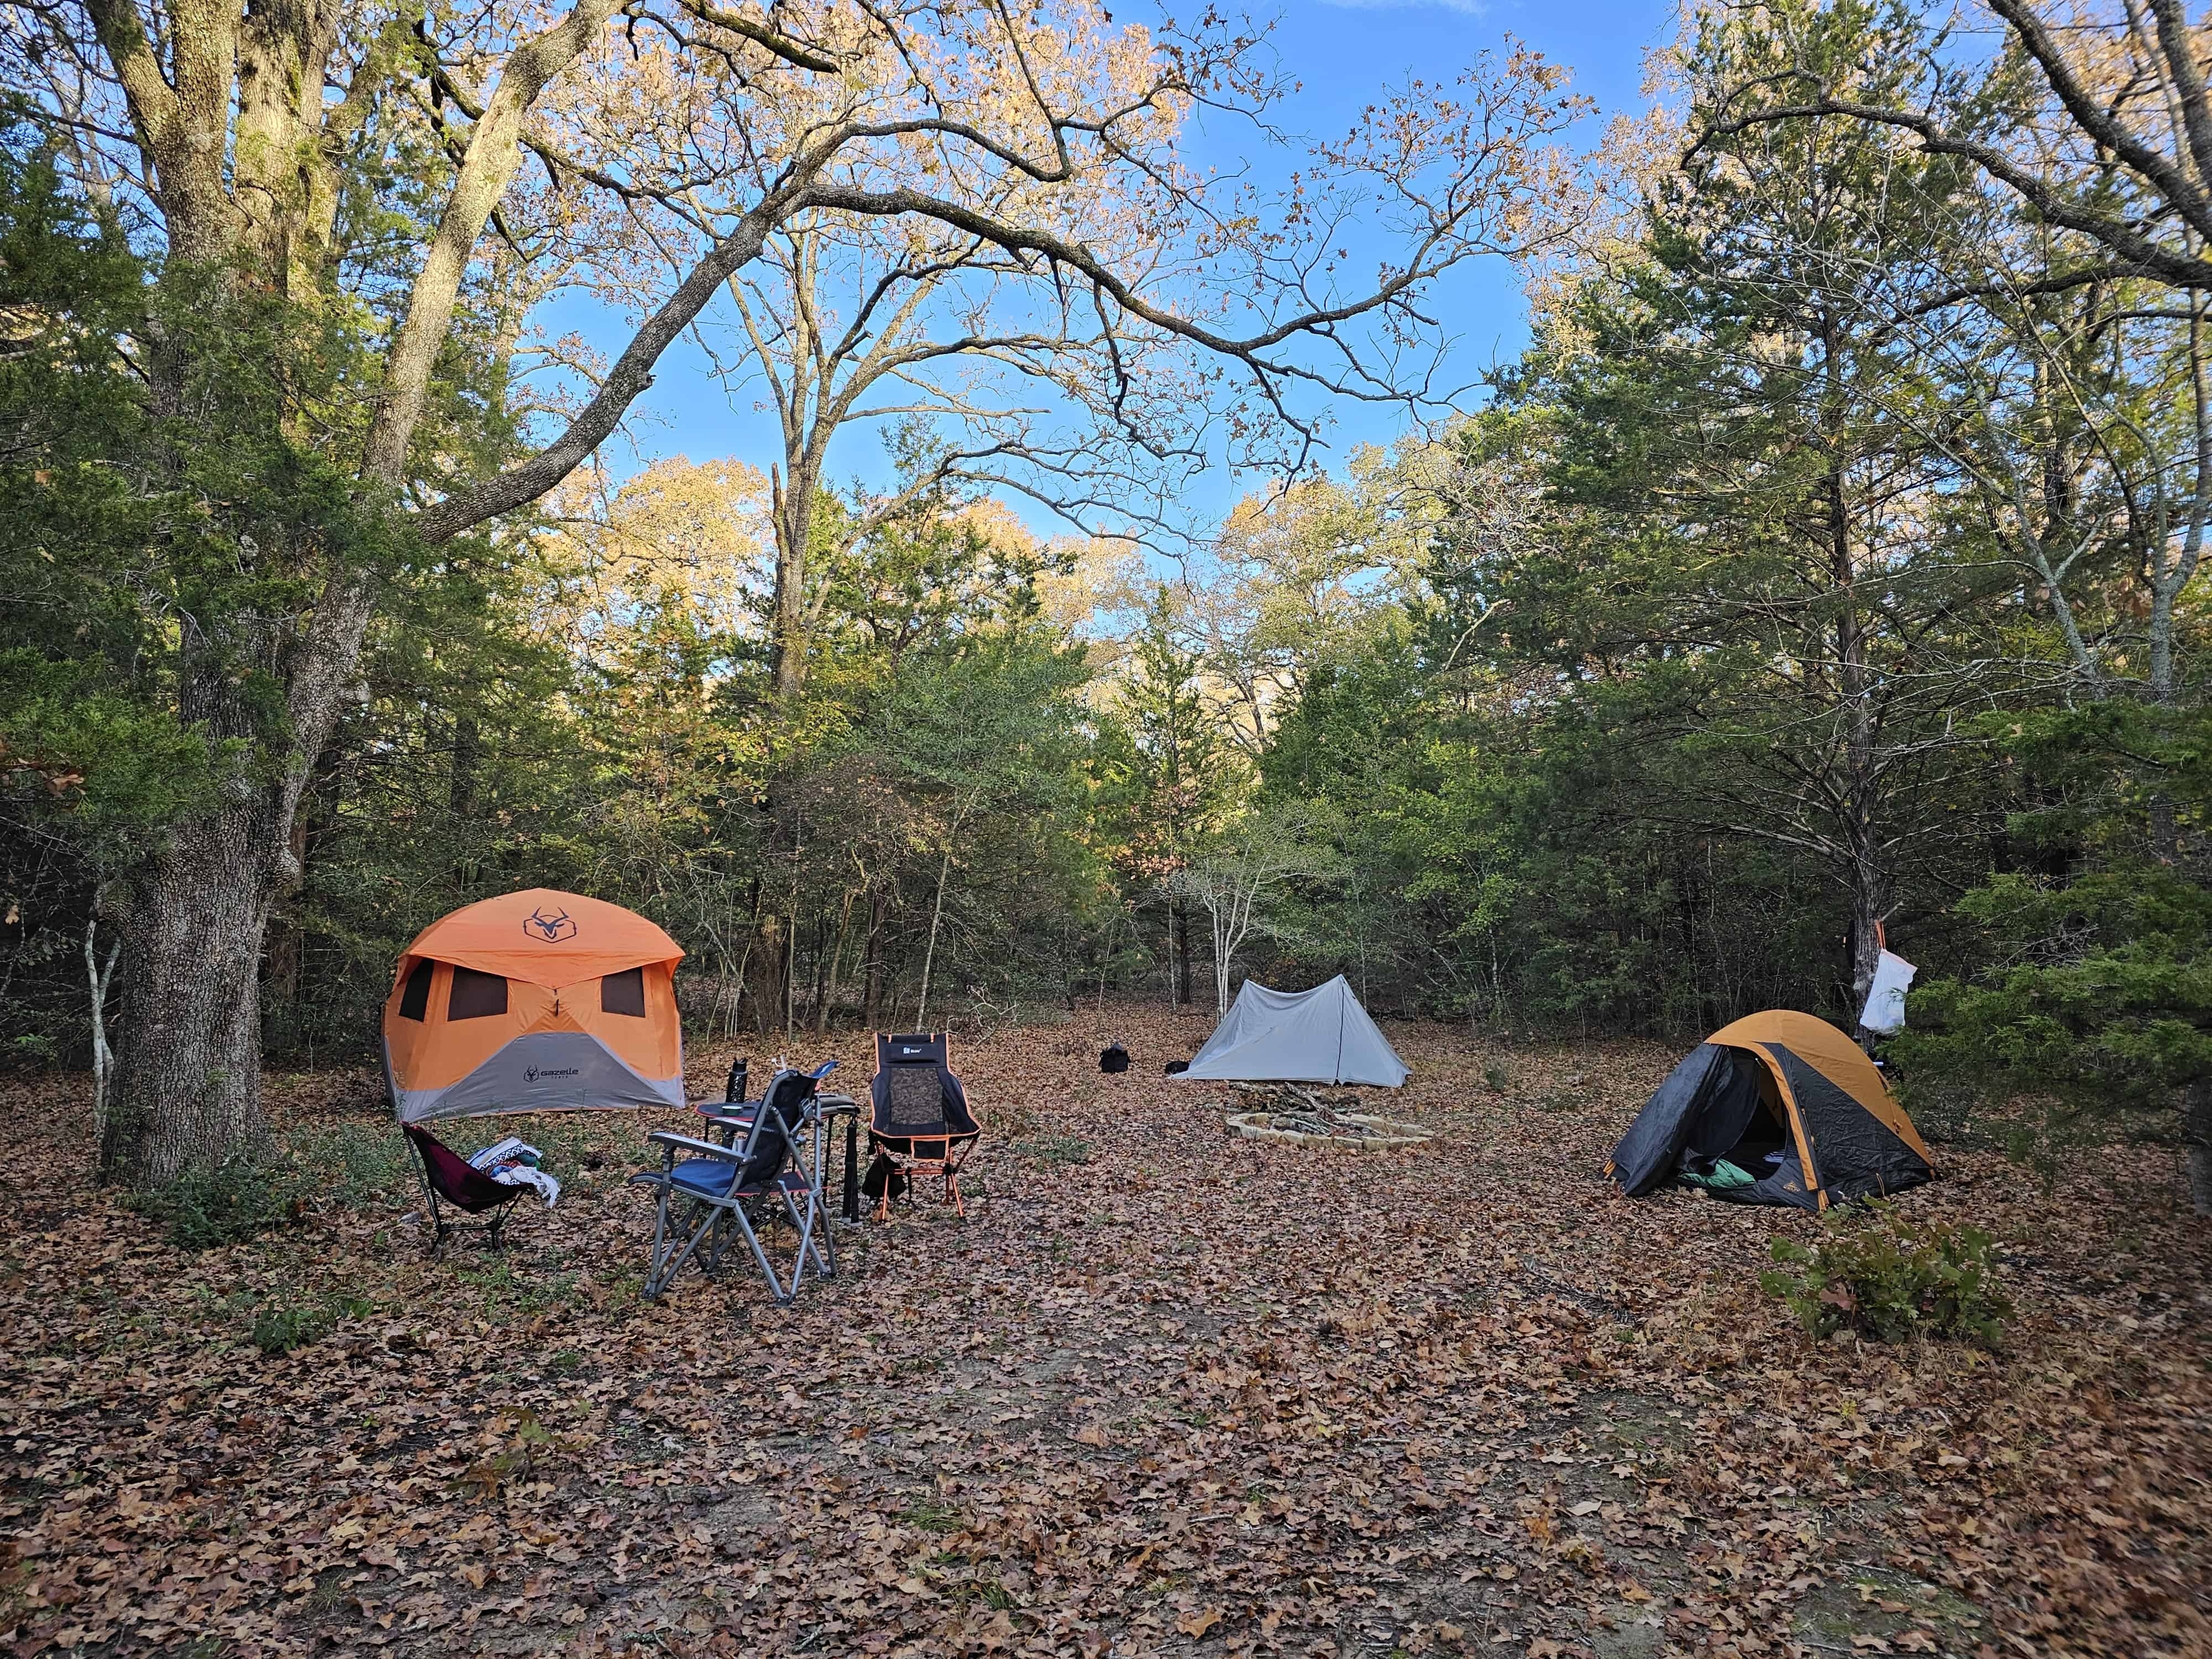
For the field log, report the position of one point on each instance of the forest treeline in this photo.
(1826, 573)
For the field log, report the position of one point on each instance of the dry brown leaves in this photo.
(1166, 1392)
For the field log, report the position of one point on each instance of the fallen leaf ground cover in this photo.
(1163, 1392)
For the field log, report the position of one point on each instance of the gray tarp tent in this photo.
(1321, 1036)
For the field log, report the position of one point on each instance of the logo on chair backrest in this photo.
(549, 930)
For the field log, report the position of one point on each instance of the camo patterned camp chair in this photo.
(920, 1124)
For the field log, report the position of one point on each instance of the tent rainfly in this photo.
(1321, 1036)
(1787, 1101)
(536, 1001)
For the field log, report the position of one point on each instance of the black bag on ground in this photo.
(1114, 1058)
(1174, 1067)
(884, 1174)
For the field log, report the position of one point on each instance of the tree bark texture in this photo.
(2197, 1140)
(187, 1085)
(792, 507)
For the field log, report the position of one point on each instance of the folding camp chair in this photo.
(920, 1124)
(737, 1184)
(448, 1176)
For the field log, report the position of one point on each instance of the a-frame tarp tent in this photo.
(1321, 1036)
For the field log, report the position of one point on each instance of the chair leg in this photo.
(825, 1240)
(760, 1258)
(814, 1233)
(667, 1259)
(718, 1240)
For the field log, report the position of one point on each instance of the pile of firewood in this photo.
(1291, 1112)
(1293, 1106)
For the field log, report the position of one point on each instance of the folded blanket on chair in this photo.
(512, 1150)
(521, 1175)
(514, 1163)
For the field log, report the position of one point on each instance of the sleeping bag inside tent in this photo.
(1779, 1107)
(538, 1001)
(1321, 1036)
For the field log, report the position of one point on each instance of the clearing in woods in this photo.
(1165, 1392)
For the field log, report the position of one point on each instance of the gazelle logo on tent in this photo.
(531, 1074)
(550, 930)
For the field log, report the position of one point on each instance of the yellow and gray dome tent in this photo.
(1321, 1036)
(1784, 1098)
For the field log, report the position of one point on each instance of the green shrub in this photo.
(348, 1163)
(1885, 1276)
(210, 1205)
(279, 1330)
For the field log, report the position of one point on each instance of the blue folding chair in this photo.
(709, 1193)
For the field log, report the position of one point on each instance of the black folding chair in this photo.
(451, 1180)
(920, 1124)
(734, 1186)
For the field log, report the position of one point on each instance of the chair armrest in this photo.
(670, 1138)
(742, 1118)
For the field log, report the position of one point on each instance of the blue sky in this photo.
(1343, 53)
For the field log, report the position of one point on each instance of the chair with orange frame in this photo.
(920, 1123)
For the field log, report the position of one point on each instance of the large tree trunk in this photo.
(793, 508)
(2196, 1138)
(766, 952)
(187, 1084)
(187, 1087)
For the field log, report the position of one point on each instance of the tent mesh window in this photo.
(475, 996)
(414, 1000)
(623, 994)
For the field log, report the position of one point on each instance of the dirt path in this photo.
(1165, 1392)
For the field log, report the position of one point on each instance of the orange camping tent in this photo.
(537, 1001)
(1790, 1100)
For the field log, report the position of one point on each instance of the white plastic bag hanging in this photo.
(1884, 1003)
